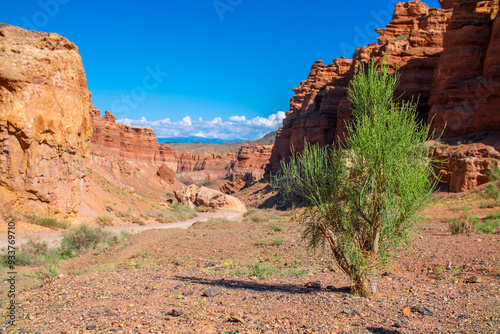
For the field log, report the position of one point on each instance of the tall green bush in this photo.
(362, 201)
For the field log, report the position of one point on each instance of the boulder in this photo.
(166, 174)
(465, 166)
(194, 196)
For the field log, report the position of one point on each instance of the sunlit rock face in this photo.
(44, 122)
(449, 58)
(411, 43)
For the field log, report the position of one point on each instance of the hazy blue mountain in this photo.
(189, 140)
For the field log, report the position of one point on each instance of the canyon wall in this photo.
(248, 168)
(128, 142)
(412, 43)
(44, 122)
(447, 57)
(466, 89)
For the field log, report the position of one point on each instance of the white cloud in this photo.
(237, 118)
(235, 128)
(186, 121)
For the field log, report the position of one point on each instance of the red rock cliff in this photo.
(44, 122)
(131, 143)
(449, 57)
(412, 42)
(188, 162)
(466, 89)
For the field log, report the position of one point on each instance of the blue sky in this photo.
(213, 68)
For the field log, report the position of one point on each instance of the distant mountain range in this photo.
(267, 139)
(181, 145)
(193, 139)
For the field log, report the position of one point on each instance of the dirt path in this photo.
(54, 237)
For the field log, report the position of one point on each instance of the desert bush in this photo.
(203, 208)
(178, 212)
(46, 222)
(270, 242)
(265, 215)
(278, 228)
(138, 221)
(47, 273)
(104, 221)
(218, 220)
(258, 269)
(464, 223)
(491, 224)
(363, 201)
(493, 189)
(83, 238)
(31, 253)
(494, 215)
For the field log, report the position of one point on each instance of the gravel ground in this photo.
(257, 277)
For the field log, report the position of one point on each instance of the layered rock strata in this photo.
(129, 142)
(412, 43)
(466, 90)
(249, 167)
(448, 58)
(465, 167)
(44, 122)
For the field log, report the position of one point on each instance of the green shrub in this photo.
(47, 273)
(138, 221)
(494, 215)
(493, 189)
(489, 226)
(47, 222)
(259, 270)
(276, 241)
(265, 215)
(401, 37)
(278, 228)
(362, 202)
(203, 208)
(179, 212)
(463, 224)
(104, 221)
(218, 220)
(272, 242)
(455, 226)
(83, 238)
(30, 253)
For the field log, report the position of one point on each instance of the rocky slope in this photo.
(448, 57)
(44, 122)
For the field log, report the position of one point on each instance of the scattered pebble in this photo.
(314, 285)
(422, 310)
(235, 318)
(176, 312)
(211, 292)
